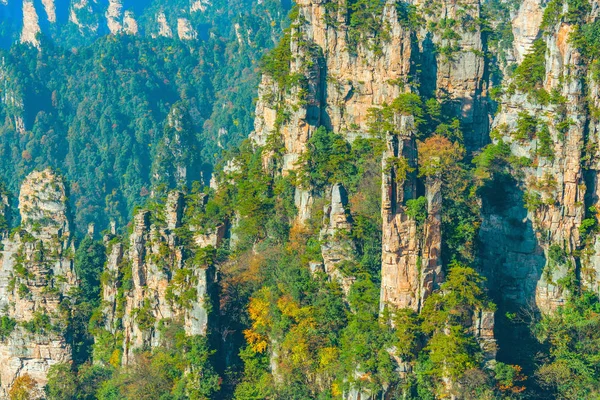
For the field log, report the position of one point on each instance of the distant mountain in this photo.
(76, 22)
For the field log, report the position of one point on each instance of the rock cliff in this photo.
(347, 72)
(342, 81)
(337, 247)
(451, 48)
(411, 263)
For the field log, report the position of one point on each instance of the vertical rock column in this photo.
(36, 276)
(109, 287)
(134, 335)
(411, 267)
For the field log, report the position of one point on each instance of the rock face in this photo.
(343, 82)
(163, 26)
(454, 67)
(526, 27)
(130, 25)
(36, 276)
(151, 283)
(185, 30)
(483, 330)
(43, 207)
(50, 9)
(31, 25)
(113, 16)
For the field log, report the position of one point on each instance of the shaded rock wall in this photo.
(517, 236)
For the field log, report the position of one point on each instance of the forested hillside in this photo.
(413, 215)
(105, 114)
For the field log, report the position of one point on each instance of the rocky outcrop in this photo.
(343, 81)
(211, 237)
(166, 286)
(526, 27)
(50, 8)
(31, 24)
(185, 30)
(483, 330)
(163, 26)
(36, 276)
(303, 200)
(43, 206)
(113, 16)
(130, 25)
(337, 246)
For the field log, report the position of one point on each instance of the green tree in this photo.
(62, 383)
(572, 334)
(447, 316)
(328, 160)
(90, 257)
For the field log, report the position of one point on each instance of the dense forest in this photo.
(408, 209)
